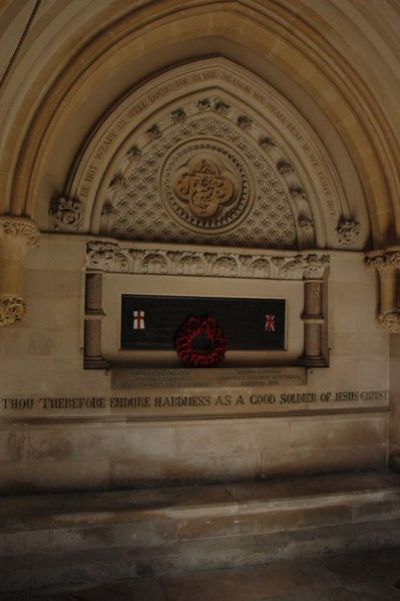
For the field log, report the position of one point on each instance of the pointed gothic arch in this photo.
(287, 191)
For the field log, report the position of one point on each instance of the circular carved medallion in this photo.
(205, 185)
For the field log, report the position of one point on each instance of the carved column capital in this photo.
(18, 232)
(388, 260)
(314, 266)
(17, 235)
(11, 309)
(391, 322)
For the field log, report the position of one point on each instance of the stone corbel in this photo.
(387, 264)
(17, 236)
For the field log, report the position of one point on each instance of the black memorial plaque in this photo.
(152, 322)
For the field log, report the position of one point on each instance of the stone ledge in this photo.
(56, 539)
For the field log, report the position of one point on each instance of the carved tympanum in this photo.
(204, 176)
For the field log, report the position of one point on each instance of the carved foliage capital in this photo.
(389, 260)
(391, 322)
(315, 265)
(11, 309)
(19, 230)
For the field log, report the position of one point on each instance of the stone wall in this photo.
(75, 449)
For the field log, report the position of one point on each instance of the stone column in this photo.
(93, 315)
(93, 293)
(313, 317)
(387, 264)
(17, 236)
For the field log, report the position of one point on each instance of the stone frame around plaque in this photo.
(105, 258)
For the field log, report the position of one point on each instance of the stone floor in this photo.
(367, 576)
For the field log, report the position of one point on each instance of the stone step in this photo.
(81, 539)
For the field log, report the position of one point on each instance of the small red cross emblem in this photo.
(270, 323)
(138, 320)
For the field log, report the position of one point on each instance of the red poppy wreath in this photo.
(195, 329)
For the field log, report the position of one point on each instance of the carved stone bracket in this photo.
(67, 213)
(116, 257)
(387, 264)
(348, 231)
(17, 235)
(18, 231)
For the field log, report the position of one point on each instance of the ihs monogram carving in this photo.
(67, 213)
(205, 186)
(115, 258)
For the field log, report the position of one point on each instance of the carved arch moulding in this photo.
(208, 153)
